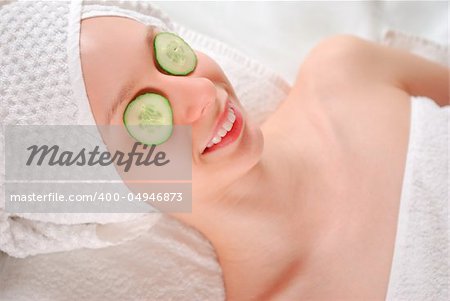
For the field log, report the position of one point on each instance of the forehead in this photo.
(114, 33)
(115, 52)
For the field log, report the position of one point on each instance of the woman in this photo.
(306, 206)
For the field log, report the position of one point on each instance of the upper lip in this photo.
(221, 117)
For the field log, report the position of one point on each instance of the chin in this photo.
(210, 179)
(251, 148)
(246, 156)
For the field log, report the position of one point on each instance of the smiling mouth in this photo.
(227, 129)
(224, 128)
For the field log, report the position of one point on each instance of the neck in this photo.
(268, 223)
(260, 229)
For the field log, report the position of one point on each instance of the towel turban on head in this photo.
(41, 83)
(40, 75)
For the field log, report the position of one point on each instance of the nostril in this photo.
(194, 113)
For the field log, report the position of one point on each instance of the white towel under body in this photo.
(421, 260)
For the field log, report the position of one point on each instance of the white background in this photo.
(279, 34)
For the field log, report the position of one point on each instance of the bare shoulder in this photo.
(342, 62)
(348, 63)
(353, 82)
(342, 49)
(344, 76)
(344, 80)
(343, 84)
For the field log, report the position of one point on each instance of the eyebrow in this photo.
(129, 86)
(124, 94)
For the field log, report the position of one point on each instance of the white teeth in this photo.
(216, 139)
(227, 125)
(231, 117)
(222, 132)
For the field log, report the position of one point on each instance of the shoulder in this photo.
(340, 50)
(344, 79)
(346, 67)
(338, 59)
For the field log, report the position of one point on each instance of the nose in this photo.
(189, 97)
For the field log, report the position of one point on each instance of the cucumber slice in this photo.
(173, 54)
(148, 119)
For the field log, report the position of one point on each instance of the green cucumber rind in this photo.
(134, 102)
(171, 72)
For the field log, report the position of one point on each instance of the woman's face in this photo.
(118, 64)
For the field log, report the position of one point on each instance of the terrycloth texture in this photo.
(41, 83)
(420, 268)
(41, 71)
(417, 45)
(169, 262)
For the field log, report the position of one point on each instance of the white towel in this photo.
(168, 262)
(420, 266)
(421, 260)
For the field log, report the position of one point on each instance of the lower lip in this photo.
(231, 136)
